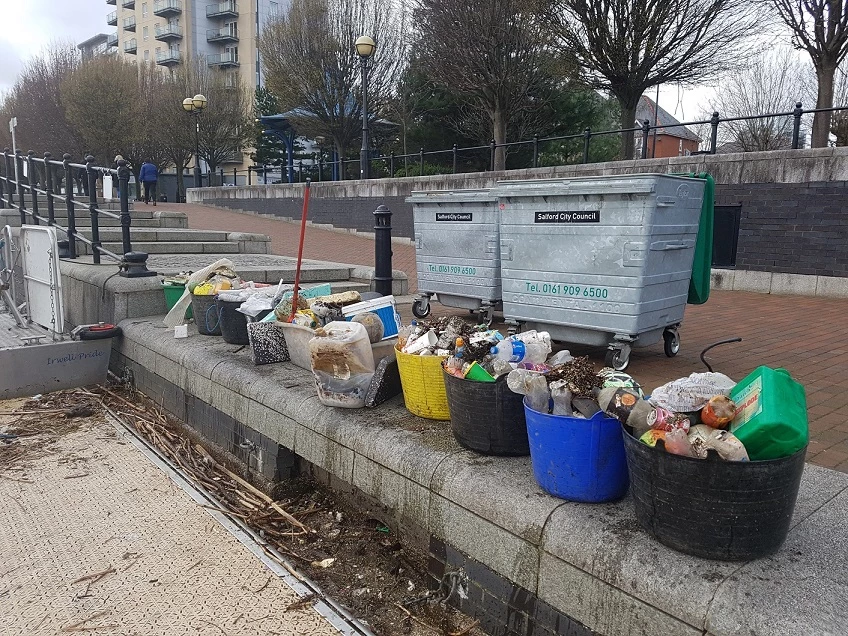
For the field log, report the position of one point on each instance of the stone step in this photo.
(159, 235)
(178, 247)
(80, 212)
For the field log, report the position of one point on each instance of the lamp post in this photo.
(365, 48)
(195, 106)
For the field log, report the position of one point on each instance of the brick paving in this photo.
(799, 333)
(322, 245)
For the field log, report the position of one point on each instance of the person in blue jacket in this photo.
(148, 175)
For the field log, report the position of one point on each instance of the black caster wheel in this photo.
(616, 359)
(420, 309)
(671, 343)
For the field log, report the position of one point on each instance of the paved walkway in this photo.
(799, 333)
(94, 503)
(322, 245)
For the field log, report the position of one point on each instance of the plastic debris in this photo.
(690, 394)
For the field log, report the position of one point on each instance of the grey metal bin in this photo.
(600, 260)
(457, 250)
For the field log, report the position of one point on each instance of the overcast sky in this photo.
(30, 25)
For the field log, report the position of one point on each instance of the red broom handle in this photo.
(300, 248)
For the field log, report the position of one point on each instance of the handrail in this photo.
(43, 172)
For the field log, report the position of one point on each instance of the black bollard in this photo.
(383, 250)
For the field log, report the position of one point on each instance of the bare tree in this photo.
(35, 99)
(101, 98)
(312, 68)
(492, 53)
(839, 122)
(819, 27)
(772, 83)
(629, 46)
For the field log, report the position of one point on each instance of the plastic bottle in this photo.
(562, 398)
(628, 407)
(533, 385)
(771, 414)
(512, 350)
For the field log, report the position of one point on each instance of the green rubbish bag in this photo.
(699, 284)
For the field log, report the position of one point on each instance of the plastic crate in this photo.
(384, 307)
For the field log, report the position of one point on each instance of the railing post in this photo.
(20, 182)
(222, 177)
(249, 180)
(321, 169)
(714, 120)
(392, 163)
(3, 188)
(646, 129)
(587, 138)
(235, 177)
(421, 162)
(454, 158)
(10, 192)
(796, 128)
(134, 264)
(69, 205)
(383, 250)
(299, 170)
(48, 189)
(535, 151)
(91, 175)
(492, 155)
(33, 191)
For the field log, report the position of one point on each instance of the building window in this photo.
(145, 33)
(143, 9)
(158, 50)
(231, 53)
(146, 56)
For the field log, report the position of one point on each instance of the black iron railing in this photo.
(449, 160)
(54, 181)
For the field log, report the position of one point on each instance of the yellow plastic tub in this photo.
(423, 385)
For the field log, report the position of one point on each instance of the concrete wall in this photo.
(792, 201)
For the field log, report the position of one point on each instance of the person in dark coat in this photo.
(148, 175)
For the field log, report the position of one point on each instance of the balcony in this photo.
(165, 8)
(171, 57)
(227, 9)
(128, 4)
(129, 24)
(112, 19)
(130, 46)
(221, 35)
(169, 32)
(111, 40)
(112, 2)
(223, 60)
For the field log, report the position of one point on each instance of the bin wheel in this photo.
(671, 342)
(100, 332)
(617, 359)
(420, 309)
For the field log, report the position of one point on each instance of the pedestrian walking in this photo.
(148, 175)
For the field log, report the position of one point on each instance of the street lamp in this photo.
(195, 105)
(364, 48)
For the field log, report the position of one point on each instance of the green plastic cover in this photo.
(699, 284)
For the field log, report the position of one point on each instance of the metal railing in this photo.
(449, 160)
(54, 182)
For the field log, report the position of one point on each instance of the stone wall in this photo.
(793, 218)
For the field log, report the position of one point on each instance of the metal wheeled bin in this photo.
(600, 260)
(457, 250)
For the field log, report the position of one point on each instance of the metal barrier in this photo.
(54, 180)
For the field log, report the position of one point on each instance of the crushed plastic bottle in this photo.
(514, 350)
(561, 396)
(677, 442)
(627, 406)
(560, 357)
(533, 385)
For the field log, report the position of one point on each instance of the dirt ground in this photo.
(355, 559)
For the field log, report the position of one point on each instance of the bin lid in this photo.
(604, 184)
(483, 195)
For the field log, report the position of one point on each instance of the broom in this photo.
(300, 249)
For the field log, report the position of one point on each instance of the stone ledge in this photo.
(591, 562)
(779, 283)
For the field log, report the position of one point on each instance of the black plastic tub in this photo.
(728, 511)
(205, 311)
(232, 322)
(486, 416)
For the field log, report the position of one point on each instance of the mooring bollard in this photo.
(383, 250)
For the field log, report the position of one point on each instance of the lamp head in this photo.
(365, 46)
(199, 102)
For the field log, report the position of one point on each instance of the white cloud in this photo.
(30, 25)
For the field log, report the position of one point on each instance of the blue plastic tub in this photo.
(578, 459)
